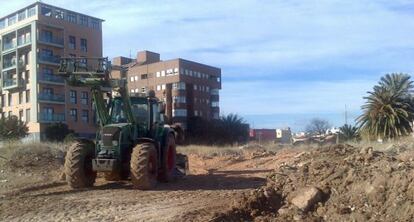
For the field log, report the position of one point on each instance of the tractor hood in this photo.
(112, 132)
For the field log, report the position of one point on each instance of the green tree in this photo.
(57, 132)
(348, 132)
(388, 112)
(234, 129)
(12, 128)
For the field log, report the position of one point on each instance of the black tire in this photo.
(144, 167)
(78, 165)
(169, 159)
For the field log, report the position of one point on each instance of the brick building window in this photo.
(73, 96)
(71, 17)
(72, 42)
(85, 116)
(84, 98)
(74, 114)
(83, 20)
(84, 45)
(179, 112)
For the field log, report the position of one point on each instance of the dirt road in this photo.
(212, 186)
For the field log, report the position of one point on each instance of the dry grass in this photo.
(208, 150)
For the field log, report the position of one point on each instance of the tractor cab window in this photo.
(140, 112)
(117, 112)
(155, 113)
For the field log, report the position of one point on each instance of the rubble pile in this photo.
(336, 183)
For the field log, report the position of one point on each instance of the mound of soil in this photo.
(337, 183)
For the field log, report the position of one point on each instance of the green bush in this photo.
(57, 132)
(11, 128)
(227, 130)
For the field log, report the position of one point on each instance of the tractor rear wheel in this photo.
(78, 164)
(169, 160)
(144, 167)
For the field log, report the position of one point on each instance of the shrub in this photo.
(57, 132)
(12, 128)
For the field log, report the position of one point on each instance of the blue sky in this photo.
(283, 62)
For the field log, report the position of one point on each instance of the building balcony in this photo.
(54, 98)
(54, 117)
(56, 41)
(8, 46)
(12, 83)
(51, 79)
(8, 64)
(50, 59)
(9, 82)
(23, 41)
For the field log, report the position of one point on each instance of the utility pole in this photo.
(346, 115)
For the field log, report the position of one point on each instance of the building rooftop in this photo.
(65, 11)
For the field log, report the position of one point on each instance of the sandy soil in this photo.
(212, 186)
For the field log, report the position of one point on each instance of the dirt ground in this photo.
(33, 192)
(333, 183)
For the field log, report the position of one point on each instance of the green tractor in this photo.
(132, 140)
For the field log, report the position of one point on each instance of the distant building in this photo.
(263, 135)
(32, 41)
(284, 135)
(188, 88)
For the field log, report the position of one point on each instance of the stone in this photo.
(306, 198)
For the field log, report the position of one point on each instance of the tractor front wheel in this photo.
(144, 166)
(78, 165)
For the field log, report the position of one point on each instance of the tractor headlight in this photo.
(115, 143)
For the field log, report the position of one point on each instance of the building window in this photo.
(59, 14)
(169, 72)
(74, 114)
(20, 97)
(12, 20)
(179, 99)
(46, 11)
(85, 116)
(84, 98)
(163, 87)
(21, 115)
(72, 42)
(84, 20)
(84, 45)
(21, 15)
(144, 76)
(27, 115)
(214, 104)
(136, 78)
(179, 112)
(73, 96)
(178, 85)
(143, 89)
(31, 11)
(95, 23)
(72, 18)
(2, 100)
(162, 73)
(158, 87)
(27, 96)
(195, 87)
(132, 78)
(2, 24)
(9, 99)
(158, 74)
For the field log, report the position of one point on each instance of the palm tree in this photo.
(349, 132)
(234, 128)
(388, 112)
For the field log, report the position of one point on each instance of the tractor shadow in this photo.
(214, 180)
